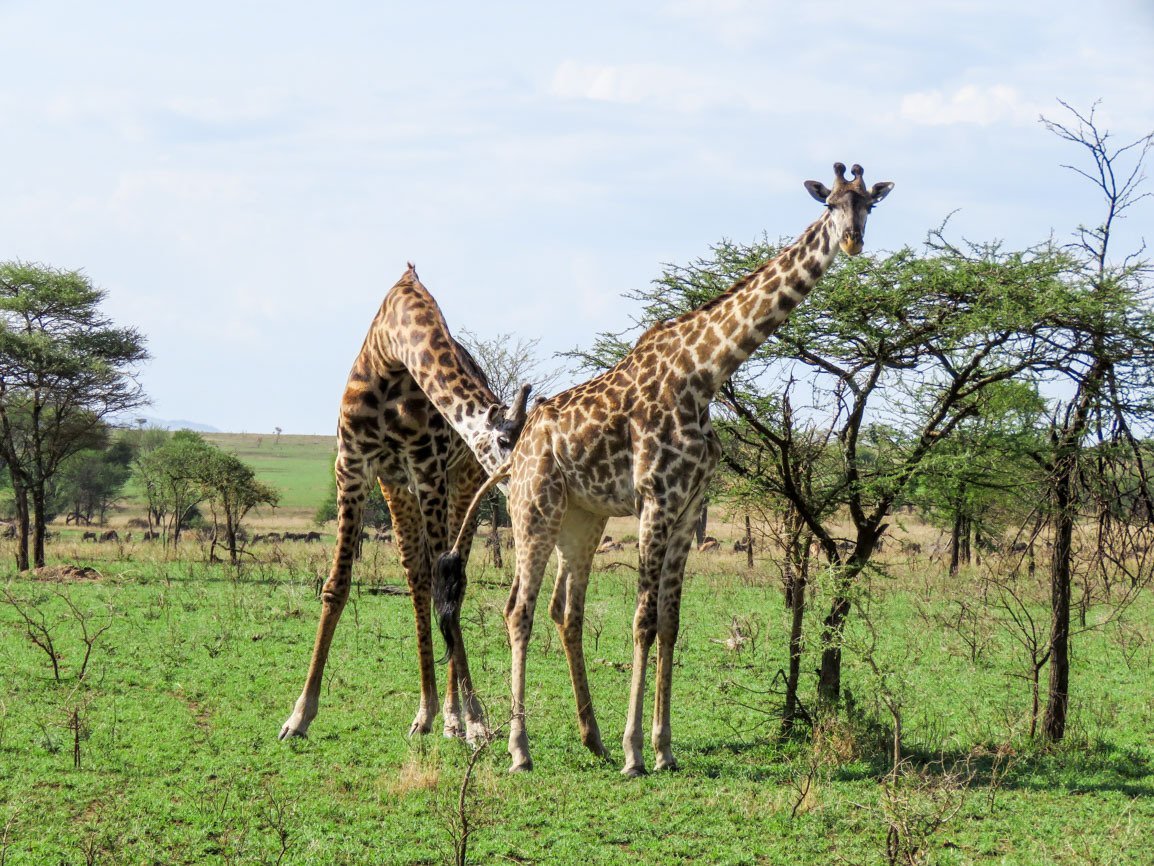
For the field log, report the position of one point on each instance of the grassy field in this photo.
(167, 751)
(300, 467)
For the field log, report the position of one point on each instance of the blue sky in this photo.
(247, 180)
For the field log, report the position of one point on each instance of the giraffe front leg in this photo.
(334, 594)
(352, 479)
(654, 536)
(532, 554)
(643, 632)
(668, 619)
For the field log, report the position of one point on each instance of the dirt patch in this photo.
(70, 573)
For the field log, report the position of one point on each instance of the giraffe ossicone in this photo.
(637, 440)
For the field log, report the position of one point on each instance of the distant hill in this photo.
(166, 423)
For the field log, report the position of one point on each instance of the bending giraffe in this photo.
(637, 440)
(418, 416)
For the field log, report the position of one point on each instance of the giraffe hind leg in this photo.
(576, 542)
(668, 623)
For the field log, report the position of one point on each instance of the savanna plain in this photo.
(142, 691)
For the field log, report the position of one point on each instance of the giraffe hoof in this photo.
(597, 748)
(477, 733)
(670, 766)
(453, 731)
(635, 772)
(296, 726)
(522, 766)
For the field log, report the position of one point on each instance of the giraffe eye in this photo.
(503, 442)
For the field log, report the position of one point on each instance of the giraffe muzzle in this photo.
(851, 243)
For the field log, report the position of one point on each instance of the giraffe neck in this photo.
(725, 332)
(416, 336)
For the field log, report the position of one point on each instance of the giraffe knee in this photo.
(335, 592)
(571, 629)
(557, 610)
(668, 619)
(644, 633)
(518, 619)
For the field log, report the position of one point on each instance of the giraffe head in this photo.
(506, 423)
(850, 203)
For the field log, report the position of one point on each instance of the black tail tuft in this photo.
(448, 590)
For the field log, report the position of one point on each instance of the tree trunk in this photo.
(230, 531)
(829, 675)
(23, 524)
(1057, 703)
(955, 545)
(495, 543)
(795, 596)
(965, 554)
(748, 543)
(38, 526)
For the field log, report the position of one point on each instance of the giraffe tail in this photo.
(449, 572)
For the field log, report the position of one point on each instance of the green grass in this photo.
(187, 690)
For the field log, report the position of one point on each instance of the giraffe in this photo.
(637, 440)
(418, 415)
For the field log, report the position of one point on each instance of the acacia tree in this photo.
(64, 369)
(1111, 353)
(173, 479)
(187, 471)
(232, 487)
(91, 480)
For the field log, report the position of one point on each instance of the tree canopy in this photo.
(65, 369)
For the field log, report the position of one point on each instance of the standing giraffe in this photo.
(417, 414)
(637, 440)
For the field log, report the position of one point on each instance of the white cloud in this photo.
(661, 85)
(969, 104)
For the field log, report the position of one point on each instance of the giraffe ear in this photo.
(880, 190)
(818, 190)
(493, 415)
